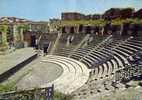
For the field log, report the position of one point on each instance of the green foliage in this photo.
(19, 30)
(3, 47)
(23, 26)
(3, 28)
(135, 21)
(100, 22)
(117, 21)
(7, 87)
(61, 96)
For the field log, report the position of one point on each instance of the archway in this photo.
(33, 40)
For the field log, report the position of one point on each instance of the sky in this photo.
(43, 10)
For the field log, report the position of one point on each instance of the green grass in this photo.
(7, 87)
(61, 96)
(10, 85)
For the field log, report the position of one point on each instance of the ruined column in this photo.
(121, 29)
(15, 33)
(21, 34)
(102, 30)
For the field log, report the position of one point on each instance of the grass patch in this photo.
(10, 84)
(61, 96)
(7, 87)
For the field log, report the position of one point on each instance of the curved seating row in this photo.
(75, 73)
(102, 62)
(106, 60)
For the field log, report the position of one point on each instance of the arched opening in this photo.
(80, 30)
(88, 30)
(125, 29)
(33, 40)
(63, 29)
(135, 30)
(72, 29)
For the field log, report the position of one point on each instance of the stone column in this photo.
(18, 36)
(4, 43)
(15, 33)
(21, 35)
(121, 29)
(4, 38)
(102, 30)
(18, 33)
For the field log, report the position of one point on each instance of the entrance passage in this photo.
(33, 41)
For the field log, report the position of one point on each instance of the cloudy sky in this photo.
(40, 10)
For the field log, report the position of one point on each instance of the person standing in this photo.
(36, 44)
(45, 49)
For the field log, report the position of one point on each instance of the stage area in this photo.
(41, 73)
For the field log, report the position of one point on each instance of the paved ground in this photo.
(10, 60)
(41, 73)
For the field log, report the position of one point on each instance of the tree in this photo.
(126, 13)
(112, 13)
(4, 30)
(21, 29)
(138, 14)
